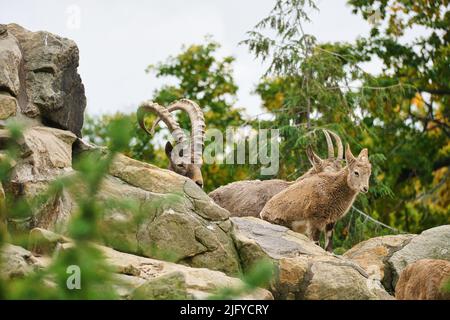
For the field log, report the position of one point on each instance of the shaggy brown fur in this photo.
(309, 205)
(248, 197)
(424, 280)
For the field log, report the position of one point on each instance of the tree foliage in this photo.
(202, 77)
(401, 114)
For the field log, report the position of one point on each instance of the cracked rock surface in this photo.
(433, 243)
(134, 277)
(373, 256)
(303, 269)
(39, 81)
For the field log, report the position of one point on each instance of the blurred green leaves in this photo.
(259, 276)
(96, 277)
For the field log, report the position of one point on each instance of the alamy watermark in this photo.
(73, 281)
(237, 146)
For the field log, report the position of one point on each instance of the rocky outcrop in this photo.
(10, 59)
(384, 258)
(426, 279)
(430, 244)
(139, 277)
(144, 276)
(303, 269)
(176, 221)
(373, 256)
(38, 74)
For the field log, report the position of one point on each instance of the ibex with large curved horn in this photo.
(185, 157)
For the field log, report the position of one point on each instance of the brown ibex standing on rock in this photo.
(185, 157)
(314, 204)
(248, 197)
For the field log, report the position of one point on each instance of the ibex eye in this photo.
(357, 173)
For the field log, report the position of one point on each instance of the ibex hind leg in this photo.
(304, 227)
(315, 236)
(329, 228)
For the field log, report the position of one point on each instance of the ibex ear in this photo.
(349, 157)
(314, 159)
(168, 149)
(364, 155)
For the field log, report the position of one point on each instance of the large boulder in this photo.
(10, 59)
(17, 262)
(198, 283)
(303, 269)
(180, 222)
(38, 73)
(373, 256)
(430, 244)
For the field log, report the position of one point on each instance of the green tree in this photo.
(202, 77)
(207, 80)
(309, 85)
(415, 126)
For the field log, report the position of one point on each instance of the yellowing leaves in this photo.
(418, 102)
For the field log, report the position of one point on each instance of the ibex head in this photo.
(359, 170)
(185, 157)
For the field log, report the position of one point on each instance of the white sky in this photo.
(119, 39)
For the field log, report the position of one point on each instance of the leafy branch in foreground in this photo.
(96, 276)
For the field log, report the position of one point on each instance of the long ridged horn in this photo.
(163, 114)
(329, 144)
(197, 125)
(340, 147)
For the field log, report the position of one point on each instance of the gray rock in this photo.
(169, 223)
(373, 256)
(433, 243)
(10, 58)
(134, 277)
(8, 106)
(51, 86)
(145, 278)
(303, 269)
(171, 286)
(16, 262)
(276, 241)
(46, 154)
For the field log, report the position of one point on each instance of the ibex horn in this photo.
(340, 147)
(197, 125)
(329, 144)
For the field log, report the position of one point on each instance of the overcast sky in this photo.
(119, 39)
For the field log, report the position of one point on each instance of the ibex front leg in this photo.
(315, 235)
(329, 237)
